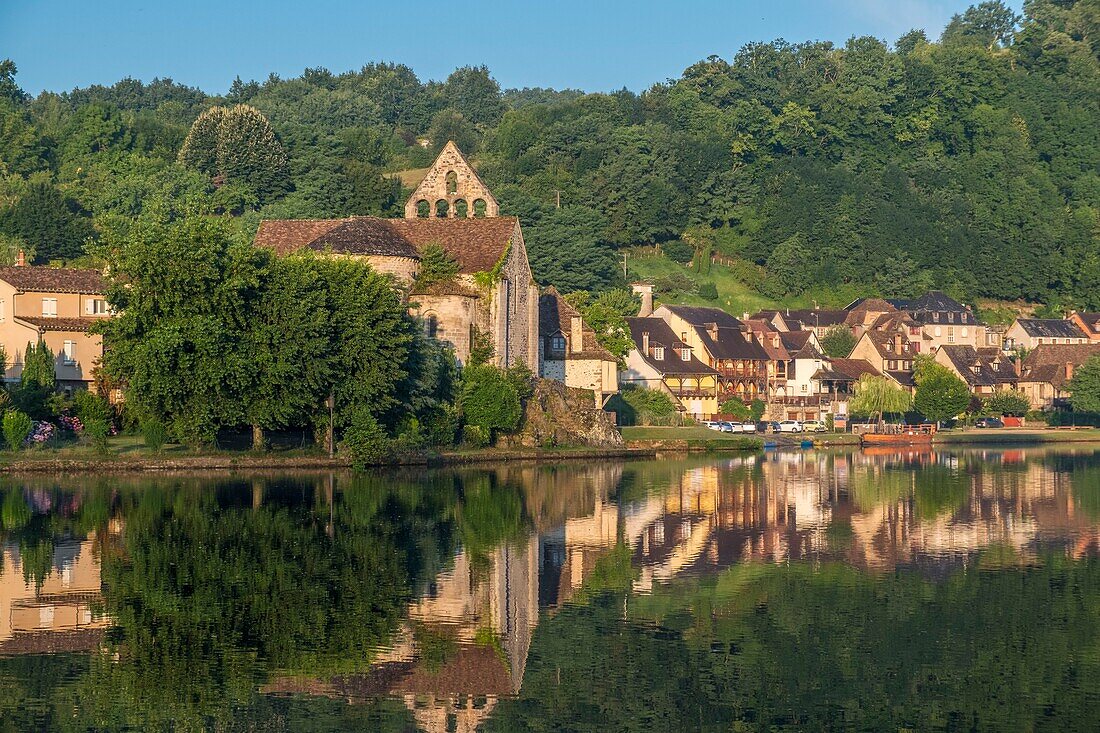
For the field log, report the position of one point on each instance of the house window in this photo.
(97, 307)
(68, 351)
(685, 354)
(557, 342)
(964, 332)
(950, 317)
(49, 307)
(803, 388)
(935, 317)
(950, 334)
(431, 326)
(937, 331)
(659, 353)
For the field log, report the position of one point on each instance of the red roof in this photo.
(476, 244)
(58, 324)
(54, 280)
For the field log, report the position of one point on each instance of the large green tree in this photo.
(940, 394)
(1084, 388)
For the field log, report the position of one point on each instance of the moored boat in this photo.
(900, 435)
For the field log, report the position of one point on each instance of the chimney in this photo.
(576, 335)
(21, 259)
(897, 343)
(712, 329)
(646, 291)
(1018, 365)
(1069, 370)
(645, 342)
(744, 316)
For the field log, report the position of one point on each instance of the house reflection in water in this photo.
(58, 614)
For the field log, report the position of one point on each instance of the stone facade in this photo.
(451, 189)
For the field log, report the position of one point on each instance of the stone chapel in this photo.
(493, 296)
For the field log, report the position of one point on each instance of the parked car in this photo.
(748, 427)
(711, 425)
(772, 426)
(732, 427)
(814, 426)
(989, 422)
(790, 426)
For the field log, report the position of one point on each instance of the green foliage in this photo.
(876, 396)
(707, 291)
(490, 400)
(1084, 388)
(89, 406)
(53, 226)
(365, 440)
(678, 251)
(15, 513)
(567, 249)
(154, 433)
(37, 381)
(17, 426)
(736, 409)
(838, 342)
(606, 314)
(638, 406)
(96, 432)
(237, 145)
(940, 395)
(475, 436)
(1007, 402)
(436, 266)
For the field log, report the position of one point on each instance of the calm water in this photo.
(954, 590)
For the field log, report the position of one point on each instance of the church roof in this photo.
(476, 244)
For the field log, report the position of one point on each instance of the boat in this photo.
(888, 434)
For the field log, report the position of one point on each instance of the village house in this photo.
(771, 340)
(1027, 333)
(864, 313)
(723, 344)
(493, 294)
(569, 351)
(1089, 323)
(1045, 371)
(818, 320)
(58, 306)
(889, 352)
(945, 321)
(985, 371)
(663, 362)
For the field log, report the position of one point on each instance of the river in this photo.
(802, 590)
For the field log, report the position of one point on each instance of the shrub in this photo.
(365, 440)
(89, 406)
(638, 406)
(490, 399)
(737, 409)
(1008, 402)
(441, 426)
(96, 431)
(707, 291)
(17, 426)
(154, 433)
(678, 251)
(474, 436)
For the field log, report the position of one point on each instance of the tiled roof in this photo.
(476, 244)
(980, 369)
(1076, 354)
(54, 279)
(1091, 320)
(732, 343)
(860, 309)
(556, 316)
(905, 379)
(59, 324)
(661, 335)
(884, 343)
(853, 368)
(815, 318)
(935, 300)
(1051, 328)
(795, 340)
(703, 315)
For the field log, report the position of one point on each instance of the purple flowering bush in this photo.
(41, 433)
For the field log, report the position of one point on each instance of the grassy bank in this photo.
(692, 438)
(1019, 436)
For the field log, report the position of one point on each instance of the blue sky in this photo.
(595, 45)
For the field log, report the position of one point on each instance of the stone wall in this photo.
(455, 315)
(453, 183)
(514, 310)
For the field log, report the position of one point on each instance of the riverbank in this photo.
(126, 454)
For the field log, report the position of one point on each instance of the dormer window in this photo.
(557, 342)
(935, 318)
(996, 365)
(977, 369)
(950, 317)
(659, 353)
(685, 354)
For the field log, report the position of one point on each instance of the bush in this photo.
(89, 406)
(678, 251)
(17, 426)
(490, 399)
(96, 431)
(474, 436)
(736, 409)
(1007, 402)
(154, 433)
(707, 291)
(365, 440)
(638, 406)
(440, 426)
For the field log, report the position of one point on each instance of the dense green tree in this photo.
(1084, 388)
(237, 145)
(1007, 402)
(877, 396)
(55, 227)
(490, 400)
(838, 342)
(940, 394)
(566, 250)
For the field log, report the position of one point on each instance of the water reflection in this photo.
(809, 589)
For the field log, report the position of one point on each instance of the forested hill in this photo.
(971, 162)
